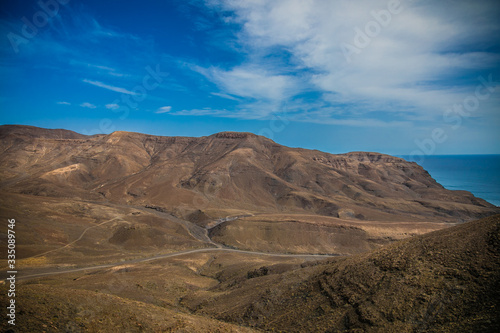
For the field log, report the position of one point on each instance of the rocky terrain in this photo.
(233, 233)
(443, 281)
(228, 173)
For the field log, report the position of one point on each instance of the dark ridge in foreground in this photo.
(443, 281)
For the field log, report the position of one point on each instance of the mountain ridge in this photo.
(225, 173)
(231, 226)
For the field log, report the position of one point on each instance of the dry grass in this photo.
(57, 309)
(298, 233)
(444, 281)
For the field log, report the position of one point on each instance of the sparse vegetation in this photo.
(135, 233)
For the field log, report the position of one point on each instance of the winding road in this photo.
(194, 230)
(169, 255)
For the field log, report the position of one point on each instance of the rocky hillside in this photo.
(233, 233)
(225, 174)
(444, 281)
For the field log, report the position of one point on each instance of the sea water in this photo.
(479, 174)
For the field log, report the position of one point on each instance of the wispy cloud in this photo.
(88, 105)
(112, 106)
(99, 69)
(63, 103)
(425, 57)
(164, 109)
(109, 87)
(205, 112)
(315, 113)
(226, 96)
(76, 37)
(250, 82)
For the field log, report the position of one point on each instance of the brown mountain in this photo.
(225, 174)
(133, 232)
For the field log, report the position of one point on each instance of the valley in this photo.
(236, 233)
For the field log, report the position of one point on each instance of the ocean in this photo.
(479, 174)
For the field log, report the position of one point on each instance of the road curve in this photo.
(194, 230)
(169, 255)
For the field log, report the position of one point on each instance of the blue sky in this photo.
(400, 77)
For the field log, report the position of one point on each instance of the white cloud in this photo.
(164, 109)
(88, 105)
(105, 68)
(251, 82)
(106, 86)
(112, 106)
(415, 61)
(63, 103)
(98, 69)
(203, 112)
(226, 96)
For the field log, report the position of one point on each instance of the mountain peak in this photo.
(31, 132)
(234, 135)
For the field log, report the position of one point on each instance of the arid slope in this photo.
(225, 174)
(209, 234)
(444, 281)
